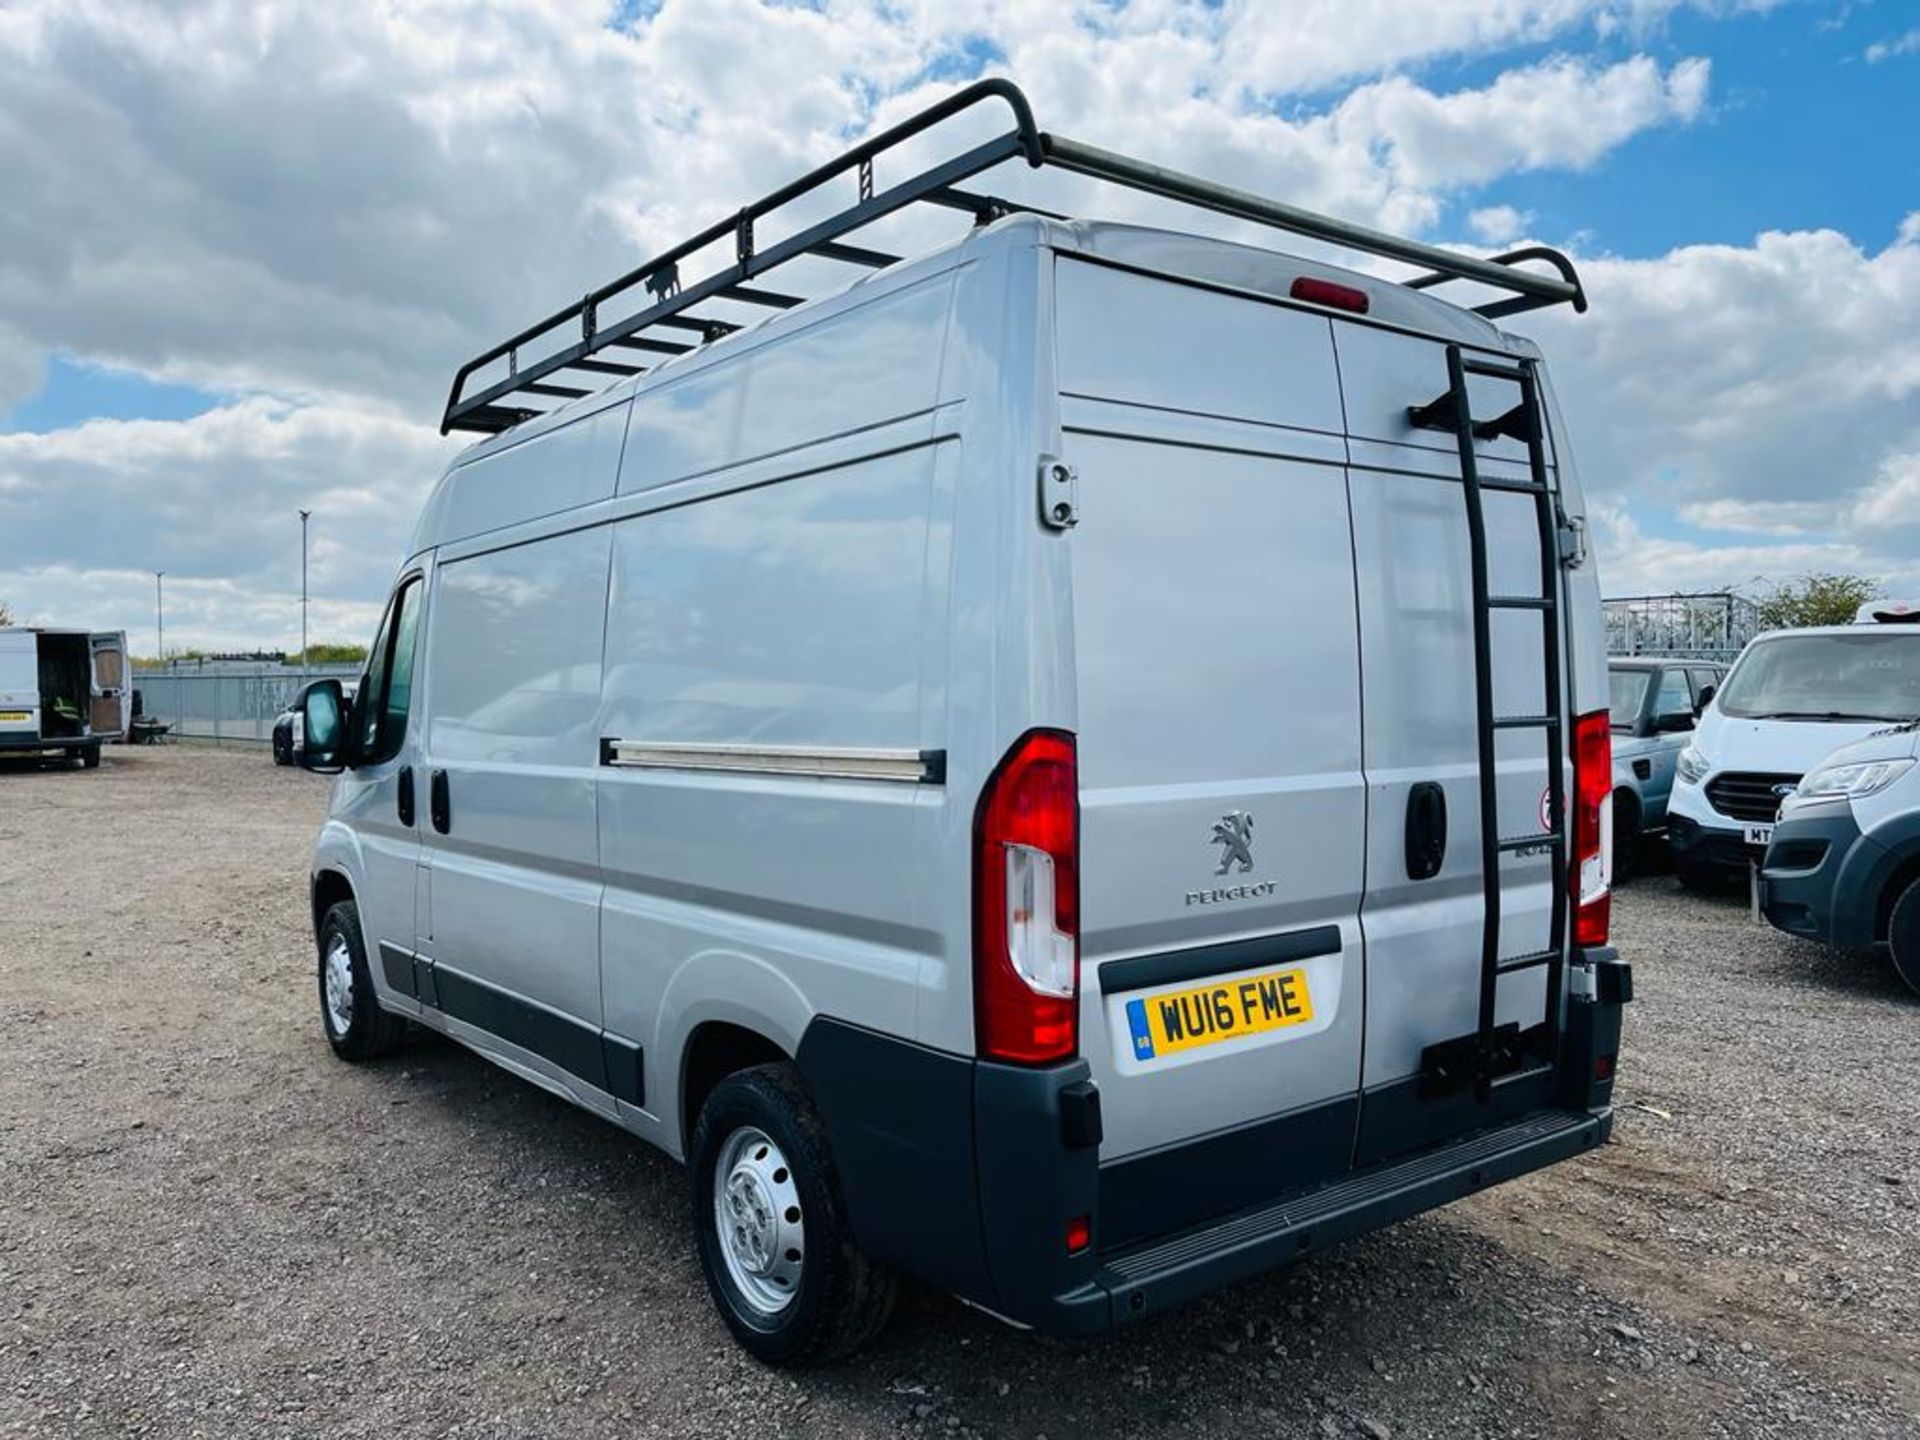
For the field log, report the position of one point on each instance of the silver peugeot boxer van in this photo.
(1073, 766)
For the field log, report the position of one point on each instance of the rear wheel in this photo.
(778, 1253)
(1903, 935)
(357, 1028)
(90, 758)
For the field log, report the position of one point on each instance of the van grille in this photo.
(1746, 795)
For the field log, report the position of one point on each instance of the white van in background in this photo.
(1074, 767)
(63, 692)
(1792, 697)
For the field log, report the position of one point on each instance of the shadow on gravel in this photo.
(1414, 1320)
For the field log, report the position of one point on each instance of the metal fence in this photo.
(227, 703)
(1694, 627)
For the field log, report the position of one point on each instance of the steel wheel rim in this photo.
(756, 1211)
(336, 985)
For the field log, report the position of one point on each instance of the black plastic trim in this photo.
(900, 1121)
(568, 1043)
(1169, 1189)
(626, 1068)
(1143, 972)
(397, 965)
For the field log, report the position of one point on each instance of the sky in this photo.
(244, 246)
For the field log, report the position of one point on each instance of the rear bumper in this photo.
(24, 744)
(1170, 1272)
(970, 1175)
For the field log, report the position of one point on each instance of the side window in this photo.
(1705, 680)
(387, 689)
(1675, 696)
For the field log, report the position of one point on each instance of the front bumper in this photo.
(1821, 876)
(1693, 843)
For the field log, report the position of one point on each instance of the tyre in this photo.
(1701, 879)
(90, 758)
(1903, 935)
(357, 1028)
(774, 1241)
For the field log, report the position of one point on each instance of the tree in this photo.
(1814, 599)
(330, 654)
(6, 615)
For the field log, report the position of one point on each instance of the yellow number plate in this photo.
(15, 717)
(1208, 1014)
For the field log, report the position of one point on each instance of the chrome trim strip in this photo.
(908, 767)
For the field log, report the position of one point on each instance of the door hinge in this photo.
(1059, 493)
(1573, 539)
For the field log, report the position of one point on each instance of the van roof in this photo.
(557, 360)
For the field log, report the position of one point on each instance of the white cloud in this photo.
(89, 513)
(1499, 224)
(1786, 370)
(1907, 44)
(332, 205)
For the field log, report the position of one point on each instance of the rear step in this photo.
(1163, 1273)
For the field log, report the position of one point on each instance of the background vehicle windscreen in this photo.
(1627, 691)
(1821, 677)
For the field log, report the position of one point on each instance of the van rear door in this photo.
(1222, 804)
(1424, 930)
(111, 700)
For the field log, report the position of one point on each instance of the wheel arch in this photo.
(328, 888)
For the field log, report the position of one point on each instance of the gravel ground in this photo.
(208, 1226)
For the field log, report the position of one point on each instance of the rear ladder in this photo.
(1491, 1053)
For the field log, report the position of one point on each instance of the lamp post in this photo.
(303, 592)
(160, 616)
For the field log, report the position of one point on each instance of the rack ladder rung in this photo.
(1528, 842)
(1521, 602)
(1494, 370)
(1527, 722)
(1528, 962)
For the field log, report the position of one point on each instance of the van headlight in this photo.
(1692, 766)
(1850, 782)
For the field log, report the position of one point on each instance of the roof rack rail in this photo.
(577, 337)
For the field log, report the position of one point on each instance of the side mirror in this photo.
(1707, 692)
(1669, 724)
(323, 725)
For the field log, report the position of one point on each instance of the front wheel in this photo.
(1903, 935)
(357, 1028)
(778, 1253)
(1699, 878)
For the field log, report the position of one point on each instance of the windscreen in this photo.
(1871, 676)
(1626, 694)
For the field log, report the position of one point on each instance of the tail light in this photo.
(1591, 870)
(1026, 904)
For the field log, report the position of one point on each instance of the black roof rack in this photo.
(662, 315)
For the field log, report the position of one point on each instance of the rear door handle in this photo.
(403, 794)
(438, 805)
(1426, 830)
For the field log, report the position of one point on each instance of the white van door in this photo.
(378, 795)
(1222, 805)
(112, 698)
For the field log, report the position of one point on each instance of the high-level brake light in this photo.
(1326, 292)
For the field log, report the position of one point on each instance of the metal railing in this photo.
(1689, 627)
(227, 703)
